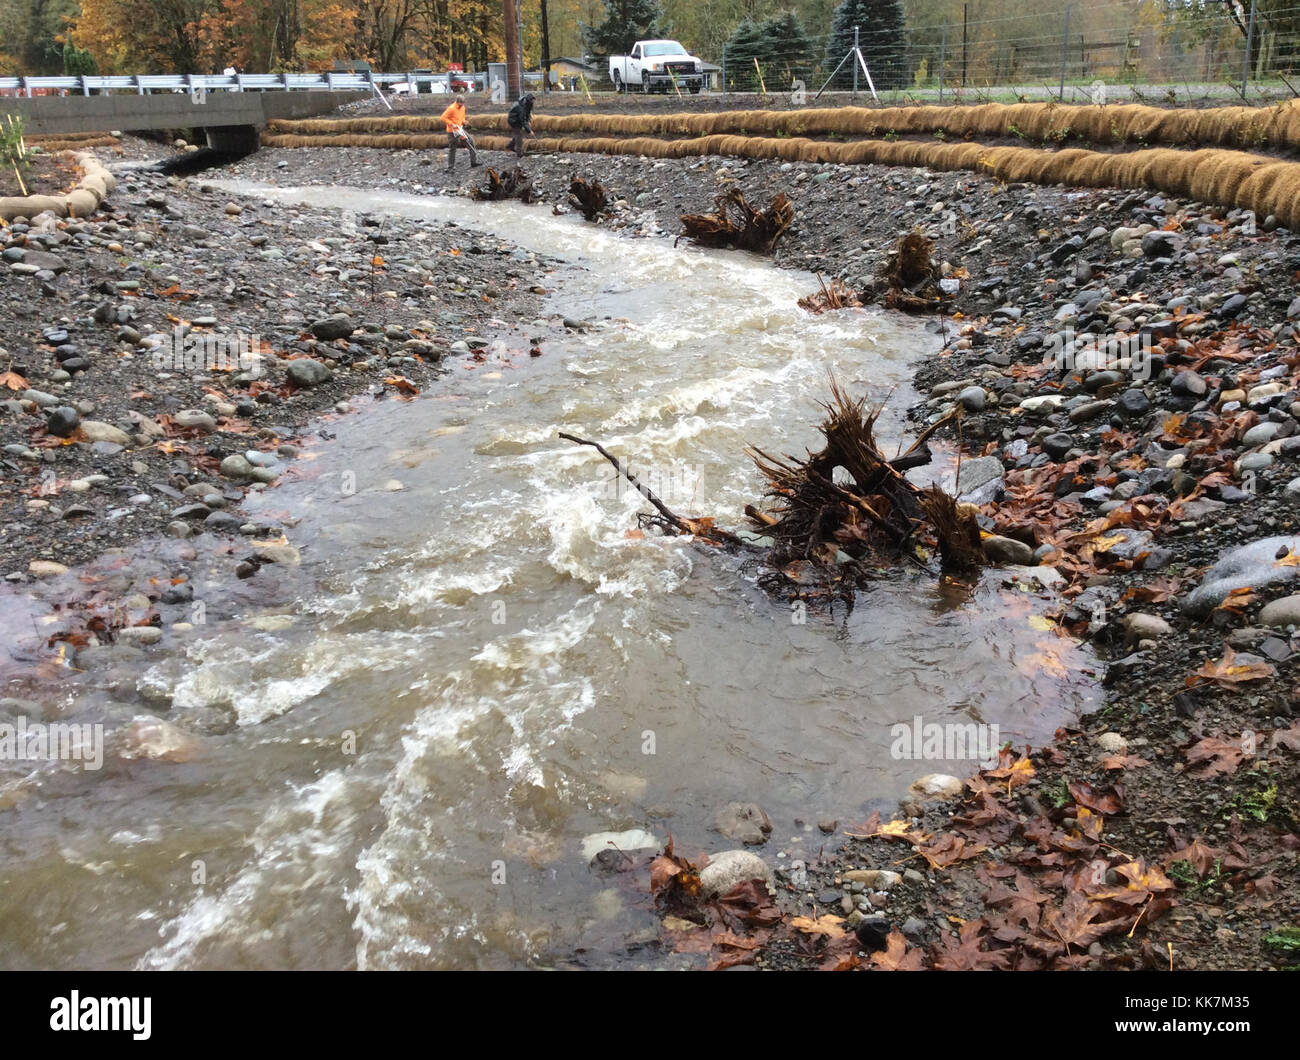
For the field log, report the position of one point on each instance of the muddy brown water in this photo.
(476, 665)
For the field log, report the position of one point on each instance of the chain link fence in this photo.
(1076, 52)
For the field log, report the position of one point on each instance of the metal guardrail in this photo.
(143, 84)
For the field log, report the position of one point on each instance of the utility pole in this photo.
(1065, 49)
(1250, 40)
(943, 58)
(514, 88)
(546, 50)
(855, 65)
(963, 44)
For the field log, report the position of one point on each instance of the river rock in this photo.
(62, 421)
(1057, 445)
(158, 740)
(938, 786)
(195, 419)
(95, 431)
(46, 568)
(632, 839)
(1244, 567)
(1260, 434)
(1008, 550)
(744, 822)
(237, 468)
(308, 373)
(45, 261)
(972, 399)
(874, 879)
(330, 328)
(1283, 612)
(139, 635)
(729, 868)
(1146, 627)
(978, 473)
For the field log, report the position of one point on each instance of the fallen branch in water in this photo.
(668, 518)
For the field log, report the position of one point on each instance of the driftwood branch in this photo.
(685, 526)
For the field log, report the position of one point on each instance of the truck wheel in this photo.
(645, 83)
(618, 82)
(695, 90)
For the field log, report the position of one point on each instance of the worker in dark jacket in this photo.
(520, 120)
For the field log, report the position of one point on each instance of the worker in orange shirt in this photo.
(455, 119)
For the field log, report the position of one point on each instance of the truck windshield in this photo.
(665, 47)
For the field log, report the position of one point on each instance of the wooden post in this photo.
(514, 88)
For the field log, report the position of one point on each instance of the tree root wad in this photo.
(848, 508)
(908, 281)
(736, 224)
(588, 196)
(841, 513)
(513, 185)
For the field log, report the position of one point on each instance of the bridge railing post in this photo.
(139, 85)
(284, 78)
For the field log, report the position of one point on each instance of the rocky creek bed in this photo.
(1128, 370)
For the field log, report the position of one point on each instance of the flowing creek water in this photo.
(506, 654)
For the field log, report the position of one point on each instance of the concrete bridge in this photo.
(232, 121)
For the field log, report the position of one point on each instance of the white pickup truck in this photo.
(656, 65)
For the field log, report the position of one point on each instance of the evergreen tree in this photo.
(778, 43)
(745, 44)
(791, 51)
(880, 37)
(626, 22)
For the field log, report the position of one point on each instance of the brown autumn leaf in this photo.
(402, 384)
(896, 957)
(14, 381)
(670, 870)
(1015, 774)
(1217, 756)
(1022, 903)
(950, 849)
(827, 925)
(966, 954)
(1074, 925)
(1095, 799)
(1114, 762)
(1229, 671)
(1288, 738)
(1141, 883)
(1198, 854)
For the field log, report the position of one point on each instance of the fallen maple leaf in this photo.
(967, 955)
(827, 925)
(1074, 924)
(14, 381)
(896, 957)
(1227, 671)
(1217, 756)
